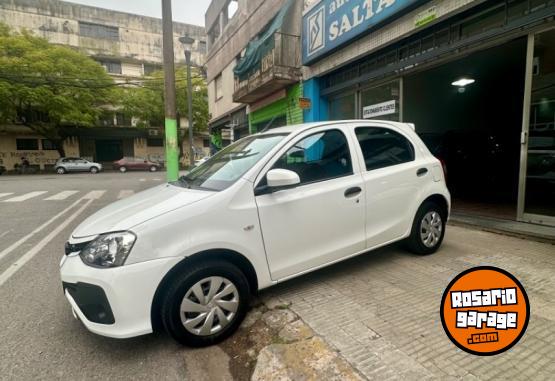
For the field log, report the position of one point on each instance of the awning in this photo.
(260, 46)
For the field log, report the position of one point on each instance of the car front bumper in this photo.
(114, 302)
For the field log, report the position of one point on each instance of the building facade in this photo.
(254, 51)
(129, 47)
(477, 78)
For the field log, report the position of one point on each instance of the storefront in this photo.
(279, 109)
(477, 81)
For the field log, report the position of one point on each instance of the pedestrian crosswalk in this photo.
(11, 197)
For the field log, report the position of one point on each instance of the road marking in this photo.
(94, 195)
(25, 196)
(22, 240)
(141, 180)
(5, 233)
(61, 196)
(156, 179)
(125, 193)
(5, 194)
(39, 246)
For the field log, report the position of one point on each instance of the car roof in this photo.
(306, 126)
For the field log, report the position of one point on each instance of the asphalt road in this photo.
(39, 338)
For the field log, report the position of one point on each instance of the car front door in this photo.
(321, 220)
(391, 180)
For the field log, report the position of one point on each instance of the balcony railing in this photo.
(279, 67)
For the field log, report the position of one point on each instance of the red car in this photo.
(136, 164)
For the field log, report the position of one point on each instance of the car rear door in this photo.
(322, 219)
(392, 180)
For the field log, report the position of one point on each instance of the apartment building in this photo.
(128, 46)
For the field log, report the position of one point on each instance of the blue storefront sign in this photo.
(331, 23)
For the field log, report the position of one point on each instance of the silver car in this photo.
(76, 164)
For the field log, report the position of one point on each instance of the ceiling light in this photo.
(463, 82)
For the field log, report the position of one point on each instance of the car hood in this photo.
(139, 208)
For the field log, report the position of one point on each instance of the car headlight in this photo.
(108, 250)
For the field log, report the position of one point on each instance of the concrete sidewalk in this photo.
(381, 310)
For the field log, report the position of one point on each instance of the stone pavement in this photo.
(381, 310)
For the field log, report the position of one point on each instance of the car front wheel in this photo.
(94, 170)
(205, 304)
(123, 169)
(428, 229)
(153, 168)
(60, 170)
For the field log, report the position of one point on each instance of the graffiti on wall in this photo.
(34, 157)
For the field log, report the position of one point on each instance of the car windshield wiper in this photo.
(183, 182)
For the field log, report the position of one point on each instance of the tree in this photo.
(146, 102)
(48, 87)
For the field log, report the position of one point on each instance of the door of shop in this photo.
(537, 173)
(109, 150)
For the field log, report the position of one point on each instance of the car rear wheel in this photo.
(428, 229)
(123, 169)
(205, 304)
(94, 170)
(153, 168)
(60, 170)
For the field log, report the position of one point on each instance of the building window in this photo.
(49, 145)
(27, 144)
(98, 31)
(218, 86)
(232, 8)
(151, 68)
(342, 107)
(154, 142)
(106, 119)
(202, 46)
(112, 67)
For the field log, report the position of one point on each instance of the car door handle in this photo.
(421, 171)
(352, 191)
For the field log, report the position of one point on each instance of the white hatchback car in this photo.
(186, 256)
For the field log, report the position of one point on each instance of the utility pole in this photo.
(172, 151)
(187, 44)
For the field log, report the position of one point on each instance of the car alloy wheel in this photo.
(94, 170)
(122, 169)
(209, 306)
(431, 228)
(60, 171)
(153, 168)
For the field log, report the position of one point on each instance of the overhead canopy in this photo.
(260, 45)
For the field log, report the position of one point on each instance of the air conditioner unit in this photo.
(153, 132)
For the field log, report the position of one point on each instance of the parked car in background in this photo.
(136, 164)
(76, 164)
(187, 255)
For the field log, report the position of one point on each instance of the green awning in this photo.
(261, 45)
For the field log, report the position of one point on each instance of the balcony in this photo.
(278, 67)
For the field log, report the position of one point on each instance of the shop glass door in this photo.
(537, 199)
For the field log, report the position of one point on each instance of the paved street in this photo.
(379, 310)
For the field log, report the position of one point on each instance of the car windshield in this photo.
(228, 165)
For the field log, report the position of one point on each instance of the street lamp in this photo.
(187, 43)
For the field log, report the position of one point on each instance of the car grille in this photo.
(75, 247)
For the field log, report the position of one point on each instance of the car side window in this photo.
(321, 156)
(382, 147)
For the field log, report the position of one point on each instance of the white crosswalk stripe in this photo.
(94, 195)
(125, 193)
(61, 196)
(25, 197)
(5, 194)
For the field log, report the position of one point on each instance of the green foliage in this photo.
(47, 87)
(146, 102)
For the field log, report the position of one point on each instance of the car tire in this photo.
(60, 170)
(123, 169)
(94, 170)
(428, 229)
(153, 168)
(197, 323)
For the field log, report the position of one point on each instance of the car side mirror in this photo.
(279, 178)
